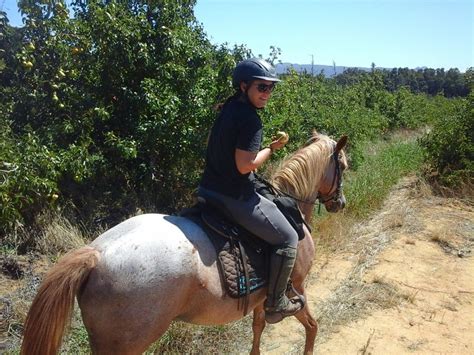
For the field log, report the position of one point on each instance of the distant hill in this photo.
(327, 70)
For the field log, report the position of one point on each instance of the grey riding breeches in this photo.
(258, 215)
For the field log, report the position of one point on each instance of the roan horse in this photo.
(136, 278)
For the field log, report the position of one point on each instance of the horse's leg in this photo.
(133, 342)
(258, 325)
(310, 324)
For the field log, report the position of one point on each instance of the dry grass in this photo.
(14, 305)
(331, 232)
(365, 348)
(54, 235)
(355, 299)
(395, 219)
(414, 345)
(51, 234)
(454, 241)
(184, 338)
(421, 189)
(58, 235)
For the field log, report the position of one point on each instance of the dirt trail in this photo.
(404, 284)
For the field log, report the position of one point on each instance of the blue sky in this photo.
(390, 33)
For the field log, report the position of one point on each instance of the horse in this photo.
(133, 280)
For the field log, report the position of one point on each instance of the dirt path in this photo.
(404, 284)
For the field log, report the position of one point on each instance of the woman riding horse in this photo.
(233, 153)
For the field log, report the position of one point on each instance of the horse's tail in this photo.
(51, 310)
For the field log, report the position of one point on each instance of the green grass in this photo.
(183, 338)
(77, 341)
(366, 188)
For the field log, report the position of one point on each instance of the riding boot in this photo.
(278, 305)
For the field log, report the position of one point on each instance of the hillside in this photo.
(327, 70)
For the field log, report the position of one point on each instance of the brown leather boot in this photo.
(278, 305)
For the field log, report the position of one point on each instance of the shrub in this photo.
(450, 145)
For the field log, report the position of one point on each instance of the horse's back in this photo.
(149, 247)
(152, 270)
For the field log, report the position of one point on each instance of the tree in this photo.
(119, 98)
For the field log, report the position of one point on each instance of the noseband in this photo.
(336, 195)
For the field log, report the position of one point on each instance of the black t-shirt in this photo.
(238, 126)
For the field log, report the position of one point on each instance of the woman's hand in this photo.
(250, 161)
(279, 142)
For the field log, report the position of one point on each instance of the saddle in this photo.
(242, 257)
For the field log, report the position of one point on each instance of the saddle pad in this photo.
(231, 265)
(228, 239)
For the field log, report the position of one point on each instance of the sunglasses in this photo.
(265, 87)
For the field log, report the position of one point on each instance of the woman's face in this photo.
(258, 91)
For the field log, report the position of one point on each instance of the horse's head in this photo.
(330, 189)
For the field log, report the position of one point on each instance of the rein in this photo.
(334, 197)
(280, 192)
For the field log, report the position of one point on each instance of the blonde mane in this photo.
(300, 173)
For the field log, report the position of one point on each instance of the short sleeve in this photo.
(250, 133)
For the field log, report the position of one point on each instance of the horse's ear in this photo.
(315, 133)
(341, 143)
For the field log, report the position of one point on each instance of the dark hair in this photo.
(218, 107)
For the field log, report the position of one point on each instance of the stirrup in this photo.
(272, 316)
(276, 316)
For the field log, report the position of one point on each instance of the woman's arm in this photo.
(249, 161)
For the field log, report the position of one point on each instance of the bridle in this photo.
(336, 195)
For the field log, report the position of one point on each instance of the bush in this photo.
(450, 145)
(29, 179)
(108, 110)
(112, 107)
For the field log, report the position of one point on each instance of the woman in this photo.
(233, 153)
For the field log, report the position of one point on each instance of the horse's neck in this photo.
(302, 180)
(307, 211)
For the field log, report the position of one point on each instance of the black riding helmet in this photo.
(251, 69)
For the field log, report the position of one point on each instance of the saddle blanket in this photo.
(242, 257)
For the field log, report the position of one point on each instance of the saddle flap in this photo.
(242, 258)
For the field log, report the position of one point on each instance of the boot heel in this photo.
(273, 317)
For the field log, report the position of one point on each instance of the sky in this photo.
(350, 33)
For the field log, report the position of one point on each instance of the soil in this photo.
(403, 283)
